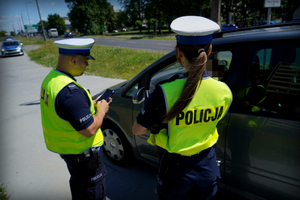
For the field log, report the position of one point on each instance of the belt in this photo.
(84, 156)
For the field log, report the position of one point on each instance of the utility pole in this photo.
(23, 21)
(216, 11)
(37, 4)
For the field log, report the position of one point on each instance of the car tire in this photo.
(115, 146)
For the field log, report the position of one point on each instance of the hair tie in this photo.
(200, 50)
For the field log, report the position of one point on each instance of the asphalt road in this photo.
(27, 169)
(150, 45)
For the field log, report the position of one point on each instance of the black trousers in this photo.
(188, 177)
(85, 183)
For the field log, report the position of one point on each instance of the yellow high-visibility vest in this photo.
(194, 129)
(60, 136)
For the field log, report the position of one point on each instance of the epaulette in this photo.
(72, 86)
(173, 78)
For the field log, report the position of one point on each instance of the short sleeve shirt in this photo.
(155, 108)
(73, 105)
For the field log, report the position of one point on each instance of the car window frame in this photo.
(245, 72)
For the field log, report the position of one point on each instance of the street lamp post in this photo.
(27, 11)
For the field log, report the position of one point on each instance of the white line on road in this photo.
(164, 44)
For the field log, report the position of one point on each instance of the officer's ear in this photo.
(210, 49)
(74, 60)
(179, 53)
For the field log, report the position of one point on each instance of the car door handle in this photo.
(219, 162)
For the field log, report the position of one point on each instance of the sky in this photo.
(12, 11)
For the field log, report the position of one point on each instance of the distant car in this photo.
(115, 31)
(68, 35)
(52, 32)
(226, 27)
(265, 22)
(124, 29)
(11, 47)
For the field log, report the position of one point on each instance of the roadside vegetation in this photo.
(3, 193)
(111, 62)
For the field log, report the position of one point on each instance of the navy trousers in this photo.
(188, 177)
(85, 183)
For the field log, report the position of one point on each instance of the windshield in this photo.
(10, 43)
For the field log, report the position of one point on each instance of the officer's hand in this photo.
(102, 106)
(109, 100)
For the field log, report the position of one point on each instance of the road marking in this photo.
(164, 44)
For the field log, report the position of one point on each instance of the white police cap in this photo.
(76, 46)
(194, 30)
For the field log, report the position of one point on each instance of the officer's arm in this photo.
(102, 107)
(138, 129)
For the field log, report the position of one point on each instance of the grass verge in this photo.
(111, 62)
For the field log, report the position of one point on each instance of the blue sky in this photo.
(12, 10)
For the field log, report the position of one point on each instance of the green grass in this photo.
(111, 62)
(30, 41)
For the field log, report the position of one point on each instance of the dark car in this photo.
(68, 35)
(258, 149)
(226, 27)
(11, 47)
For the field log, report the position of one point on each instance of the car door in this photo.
(262, 145)
(163, 72)
(223, 65)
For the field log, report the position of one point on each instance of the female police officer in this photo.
(193, 106)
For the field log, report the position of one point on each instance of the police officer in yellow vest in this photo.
(70, 122)
(193, 106)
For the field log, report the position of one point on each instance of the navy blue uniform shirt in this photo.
(73, 105)
(155, 108)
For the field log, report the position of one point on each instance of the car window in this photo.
(273, 86)
(218, 64)
(132, 90)
(174, 69)
(10, 43)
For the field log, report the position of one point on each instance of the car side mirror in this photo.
(140, 96)
(21, 44)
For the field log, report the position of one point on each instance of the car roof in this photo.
(259, 33)
(7, 41)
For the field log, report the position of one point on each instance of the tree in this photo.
(46, 25)
(153, 22)
(139, 23)
(55, 21)
(88, 17)
(135, 9)
(2, 33)
(287, 9)
(12, 33)
(123, 19)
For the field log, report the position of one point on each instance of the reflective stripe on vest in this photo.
(194, 129)
(60, 136)
(255, 108)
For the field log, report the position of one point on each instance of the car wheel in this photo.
(115, 146)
